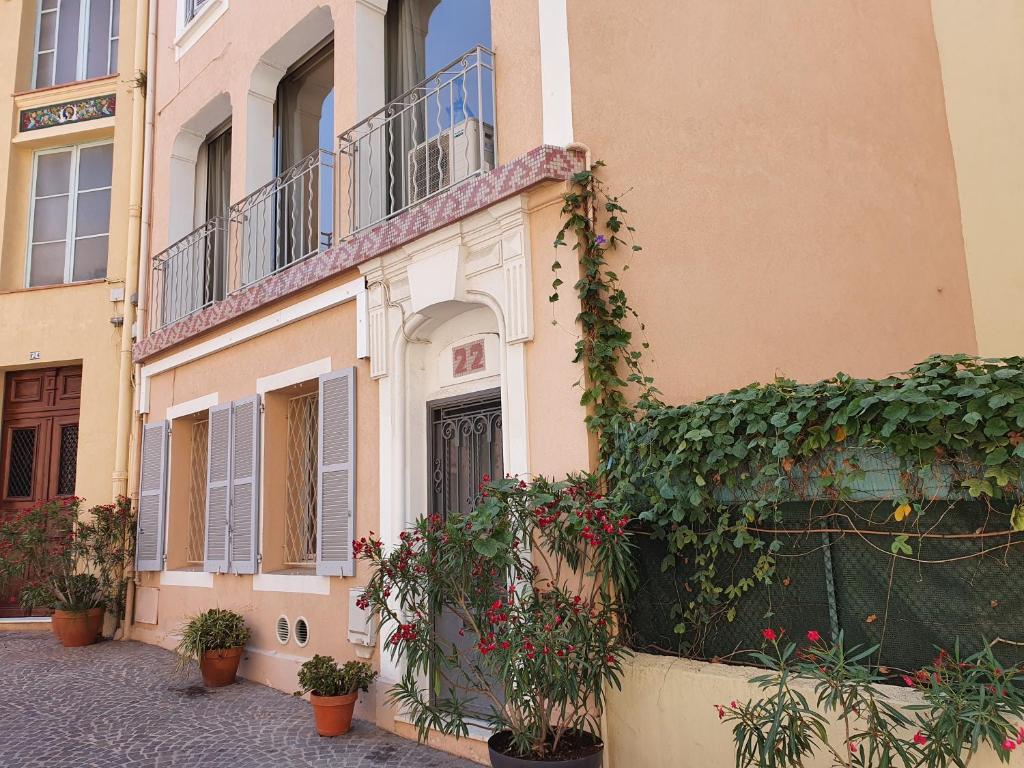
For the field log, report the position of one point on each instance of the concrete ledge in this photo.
(25, 624)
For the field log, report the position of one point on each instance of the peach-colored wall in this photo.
(232, 374)
(791, 180)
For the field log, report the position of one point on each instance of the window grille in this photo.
(197, 493)
(20, 467)
(300, 510)
(68, 469)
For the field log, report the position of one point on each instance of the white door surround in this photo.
(470, 280)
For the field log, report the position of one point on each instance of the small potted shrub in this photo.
(78, 606)
(531, 576)
(215, 639)
(333, 691)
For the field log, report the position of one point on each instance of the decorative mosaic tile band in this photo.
(77, 111)
(539, 165)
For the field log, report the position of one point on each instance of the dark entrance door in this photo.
(465, 445)
(38, 444)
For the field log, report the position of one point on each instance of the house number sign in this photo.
(468, 358)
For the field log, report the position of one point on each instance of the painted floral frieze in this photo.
(77, 111)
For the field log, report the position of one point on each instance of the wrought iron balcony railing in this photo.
(426, 141)
(283, 222)
(189, 275)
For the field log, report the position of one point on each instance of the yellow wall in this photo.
(981, 48)
(664, 715)
(69, 323)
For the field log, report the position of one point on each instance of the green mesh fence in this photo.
(963, 581)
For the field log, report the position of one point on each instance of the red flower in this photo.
(1009, 745)
(720, 709)
(920, 738)
(769, 634)
(853, 748)
(814, 636)
(908, 681)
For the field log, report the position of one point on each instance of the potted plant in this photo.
(529, 578)
(333, 691)
(77, 608)
(215, 639)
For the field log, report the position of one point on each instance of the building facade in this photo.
(343, 312)
(70, 221)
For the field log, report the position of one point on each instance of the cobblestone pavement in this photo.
(118, 705)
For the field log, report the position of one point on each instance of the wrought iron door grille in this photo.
(197, 492)
(68, 469)
(300, 509)
(22, 461)
(466, 444)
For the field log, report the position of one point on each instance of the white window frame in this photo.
(81, 66)
(190, 30)
(73, 192)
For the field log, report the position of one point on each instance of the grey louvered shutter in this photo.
(218, 481)
(245, 468)
(149, 546)
(336, 486)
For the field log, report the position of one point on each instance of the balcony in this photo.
(281, 224)
(424, 161)
(431, 138)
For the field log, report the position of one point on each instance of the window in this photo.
(304, 215)
(70, 218)
(197, 492)
(75, 40)
(192, 7)
(300, 510)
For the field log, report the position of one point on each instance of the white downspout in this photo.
(145, 241)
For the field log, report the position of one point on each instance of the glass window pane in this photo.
(50, 4)
(67, 41)
(53, 173)
(113, 56)
(99, 39)
(115, 21)
(47, 31)
(95, 165)
(93, 213)
(90, 258)
(47, 264)
(50, 219)
(44, 71)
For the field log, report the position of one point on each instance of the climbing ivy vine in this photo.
(711, 477)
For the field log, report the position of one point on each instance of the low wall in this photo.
(664, 715)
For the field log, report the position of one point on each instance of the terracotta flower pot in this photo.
(74, 628)
(96, 620)
(219, 667)
(333, 714)
(587, 743)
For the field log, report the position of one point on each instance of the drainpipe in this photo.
(131, 279)
(138, 261)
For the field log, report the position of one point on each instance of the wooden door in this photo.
(38, 444)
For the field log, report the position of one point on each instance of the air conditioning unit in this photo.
(448, 158)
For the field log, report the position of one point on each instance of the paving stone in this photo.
(122, 705)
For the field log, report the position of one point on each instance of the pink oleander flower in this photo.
(908, 681)
(1009, 745)
(813, 636)
(920, 738)
(769, 634)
